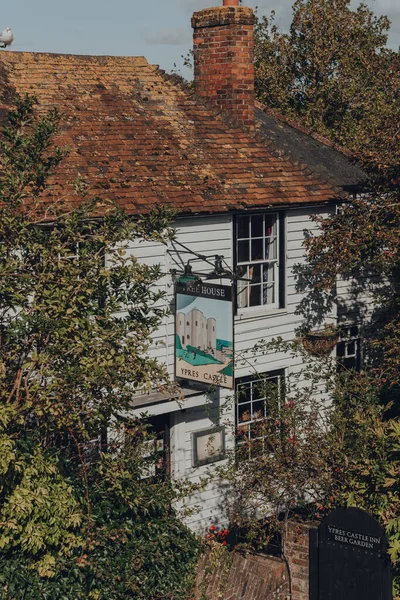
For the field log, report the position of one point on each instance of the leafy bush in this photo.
(77, 518)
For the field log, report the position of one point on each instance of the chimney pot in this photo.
(231, 2)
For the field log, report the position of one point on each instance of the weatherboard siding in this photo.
(214, 235)
(355, 301)
(209, 236)
(204, 235)
(205, 506)
(249, 330)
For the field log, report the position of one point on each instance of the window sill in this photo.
(257, 313)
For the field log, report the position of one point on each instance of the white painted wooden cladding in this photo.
(355, 303)
(204, 235)
(214, 235)
(209, 505)
(211, 236)
(284, 322)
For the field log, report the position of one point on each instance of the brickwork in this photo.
(223, 45)
(247, 578)
(260, 577)
(296, 540)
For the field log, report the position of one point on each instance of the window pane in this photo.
(243, 227)
(257, 249)
(255, 295)
(268, 294)
(270, 248)
(268, 273)
(243, 296)
(242, 288)
(350, 363)
(257, 226)
(258, 389)
(348, 350)
(243, 393)
(255, 430)
(255, 273)
(351, 348)
(244, 413)
(270, 225)
(243, 251)
(340, 349)
(273, 382)
(258, 409)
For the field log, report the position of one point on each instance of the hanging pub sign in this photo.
(204, 333)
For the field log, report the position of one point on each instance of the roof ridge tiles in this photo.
(95, 58)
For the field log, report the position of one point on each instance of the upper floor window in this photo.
(259, 260)
(348, 348)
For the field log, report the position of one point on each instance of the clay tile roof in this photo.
(334, 164)
(141, 139)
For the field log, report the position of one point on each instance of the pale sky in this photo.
(157, 29)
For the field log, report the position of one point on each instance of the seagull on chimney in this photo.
(6, 38)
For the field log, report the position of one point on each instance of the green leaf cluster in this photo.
(333, 73)
(78, 519)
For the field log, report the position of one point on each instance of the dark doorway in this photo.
(159, 444)
(348, 558)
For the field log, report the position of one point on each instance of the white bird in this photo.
(6, 38)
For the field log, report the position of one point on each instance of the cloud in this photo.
(175, 36)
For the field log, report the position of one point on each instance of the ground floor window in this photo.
(150, 437)
(258, 401)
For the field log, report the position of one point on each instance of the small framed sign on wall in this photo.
(208, 446)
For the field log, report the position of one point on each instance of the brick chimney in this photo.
(223, 45)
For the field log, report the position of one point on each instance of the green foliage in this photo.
(365, 440)
(361, 245)
(76, 316)
(326, 441)
(282, 462)
(334, 74)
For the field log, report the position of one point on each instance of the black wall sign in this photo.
(205, 290)
(348, 558)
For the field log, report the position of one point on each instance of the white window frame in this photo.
(255, 267)
(352, 346)
(74, 253)
(251, 383)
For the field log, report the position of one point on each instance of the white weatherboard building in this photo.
(244, 185)
(200, 411)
